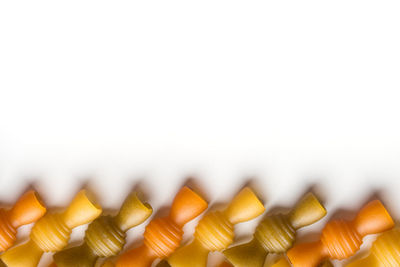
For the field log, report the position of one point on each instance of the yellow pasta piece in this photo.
(215, 231)
(105, 236)
(51, 233)
(276, 233)
(385, 252)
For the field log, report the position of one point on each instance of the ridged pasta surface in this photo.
(50, 233)
(163, 236)
(215, 232)
(104, 238)
(276, 234)
(341, 239)
(7, 231)
(386, 249)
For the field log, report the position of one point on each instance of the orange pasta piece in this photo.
(341, 239)
(51, 233)
(28, 209)
(163, 235)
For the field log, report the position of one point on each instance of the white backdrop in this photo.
(286, 94)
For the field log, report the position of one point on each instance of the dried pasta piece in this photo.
(163, 235)
(385, 251)
(215, 231)
(28, 209)
(341, 239)
(105, 236)
(276, 233)
(51, 233)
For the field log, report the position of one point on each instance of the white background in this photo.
(286, 94)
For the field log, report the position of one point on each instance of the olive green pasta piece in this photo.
(276, 233)
(105, 236)
(51, 233)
